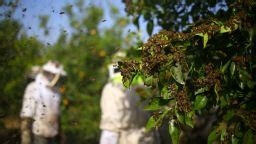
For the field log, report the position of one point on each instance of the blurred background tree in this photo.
(85, 54)
(18, 53)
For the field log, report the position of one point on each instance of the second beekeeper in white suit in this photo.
(123, 119)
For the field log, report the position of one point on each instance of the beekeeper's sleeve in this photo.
(29, 101)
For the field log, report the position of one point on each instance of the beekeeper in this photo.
(40, 109)
(123, 119)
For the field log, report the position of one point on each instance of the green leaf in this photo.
(212, 137)
(224, 68)
(127, 82)
(224, 29)
(241, 85)
(232, 68)
(200, 34)
(189, 119)
(180, 117)
(201, 90)
(251, 84)
(151, 123)
(248, 137)
(223, 134)
(205, 39)
(223, 102)
(156, 103)
(229, 45)
(140, 48)
(148, 81)
(244, 74)
(150, 27)
(228, 115)
(165, 92)
(200, 102)
(216, 92)
(219, 23)
(174, 132)
(234, 140)
(177, 74)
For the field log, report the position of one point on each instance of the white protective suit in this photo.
(123, 119)
(41, 103)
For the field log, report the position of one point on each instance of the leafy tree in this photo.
(17, 54)
(174, 14)
(85, 56)
(208, 70)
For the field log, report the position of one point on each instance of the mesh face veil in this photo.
(113, 71)
(53, 71)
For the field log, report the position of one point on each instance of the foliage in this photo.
(207, 70)
(85, 56)
(174, 14)
(18, 53)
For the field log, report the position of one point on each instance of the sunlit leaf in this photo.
(200, 34)
(165, 92)
(180, 117)
(174, 132)
(151, 123)
(212, 137)
(200, 102)
(224, 29)
(201, 90)
(148, 80)
(205, 39)
(177, 74)
(156, 104)
(189, 119)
